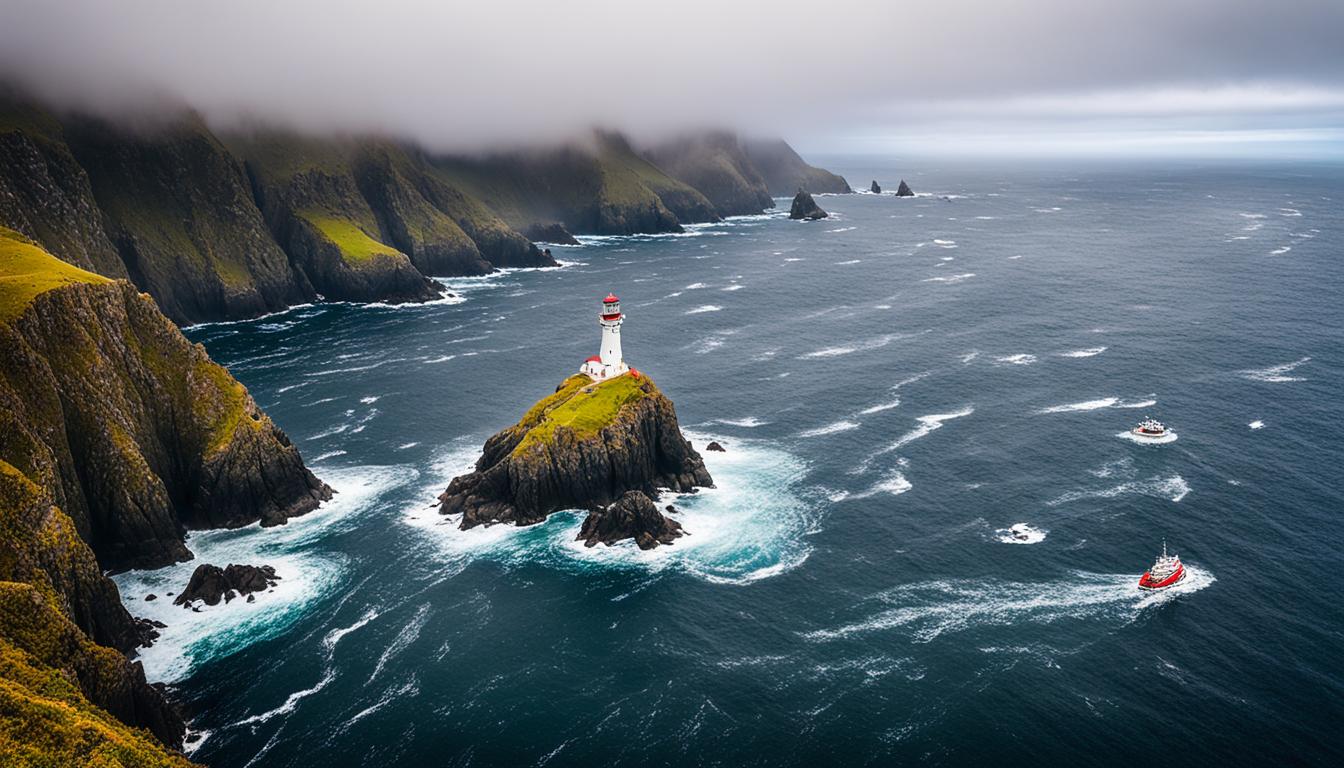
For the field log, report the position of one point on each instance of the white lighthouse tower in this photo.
(609, 364)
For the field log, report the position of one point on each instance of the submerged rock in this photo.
(633, 516)
(875, 189)
(904, 190)
(804, 207)
(582, 447)
(210, 583)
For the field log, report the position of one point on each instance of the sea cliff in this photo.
(117, 435)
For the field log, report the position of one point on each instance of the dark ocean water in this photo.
(895, 385)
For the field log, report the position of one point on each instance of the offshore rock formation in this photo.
(904, 190)
(116, 436)
(784, 171)
(804, 207)
(210, 583)
(875, 189)
(550, 232)
(633, 516)
(582, 447)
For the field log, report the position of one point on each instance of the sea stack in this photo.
(904, 190)
(602, 433)
(875, 189)
(804, 207)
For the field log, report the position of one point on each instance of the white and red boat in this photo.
(1166, 572)
(1150, 428)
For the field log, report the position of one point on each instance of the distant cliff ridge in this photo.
(235, 226)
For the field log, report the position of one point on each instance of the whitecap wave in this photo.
(306, 574)
(1089, 352)
(949, 278)
(1257, 424)
(863, 346)
(830, 429)
(1104, 402)
(752, 526)
(1171, 487)
(887, 406)
(894, 483)
(926, 610)
(1021, 358)
(702, 309)
(1276, 374)
(748, 422)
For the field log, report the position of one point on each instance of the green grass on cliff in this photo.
(27, 271)
(354, 243)
(581, 406)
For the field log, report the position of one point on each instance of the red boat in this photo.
(1166, 572)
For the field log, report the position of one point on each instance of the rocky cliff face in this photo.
(785, 172)
(138, 434)
(179, 209)
(716, 164)
(116, 436)
(584, 446)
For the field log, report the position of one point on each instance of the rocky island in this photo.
(804, 207)
(603, 433)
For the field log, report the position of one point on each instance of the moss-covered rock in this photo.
(45, 193)
(785, 171)
(583, 446)
(140, 435)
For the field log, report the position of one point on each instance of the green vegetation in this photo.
(582, 407)
(27, 271)
(354, 243)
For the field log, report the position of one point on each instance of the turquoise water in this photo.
(895, 386)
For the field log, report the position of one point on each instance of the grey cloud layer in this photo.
(454, 74)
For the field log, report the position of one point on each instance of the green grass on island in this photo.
(27, 271)
(581, 406)
(355, 244)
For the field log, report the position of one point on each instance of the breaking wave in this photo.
(1089, 352)
(830, 429)
(1022, 358)
(949, 278)
(1105, 402)
(1028, 534)
(1170, 487)
(1275, 374)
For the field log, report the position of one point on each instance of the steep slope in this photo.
(785, 172)
(603, 189)
(583, 446)
(137, 433)
(180, 211)
(715, 164)
(45, 194)
(310, 198)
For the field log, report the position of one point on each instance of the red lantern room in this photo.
(611, 307)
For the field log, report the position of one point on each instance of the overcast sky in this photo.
(991, 76)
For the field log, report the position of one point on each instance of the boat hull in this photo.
(1148, 584)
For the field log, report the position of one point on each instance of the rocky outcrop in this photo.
(210, 583)
(904, 190)
(715, 446)
(715, 164)
(875, 189)
(784, 171)
(633, 516)
(804, 207)
(550, 232)
(582, 447)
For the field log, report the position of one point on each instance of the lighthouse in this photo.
(609, 363)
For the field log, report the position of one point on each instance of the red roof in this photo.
(594, 359)
(611, 299)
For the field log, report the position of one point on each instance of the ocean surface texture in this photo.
(895, 385)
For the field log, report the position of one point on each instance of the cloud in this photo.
(463, 73)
